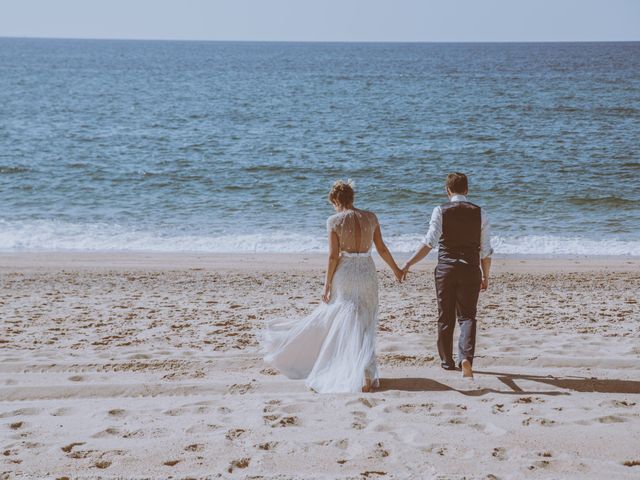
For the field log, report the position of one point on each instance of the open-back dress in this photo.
(333, 348)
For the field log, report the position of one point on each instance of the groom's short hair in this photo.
(457, 183)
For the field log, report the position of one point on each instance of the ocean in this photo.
(232, 147)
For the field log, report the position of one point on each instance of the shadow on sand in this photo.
(577, 384)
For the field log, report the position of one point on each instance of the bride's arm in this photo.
(384, 252)
(332, 263)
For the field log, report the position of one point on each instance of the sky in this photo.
(325, 20)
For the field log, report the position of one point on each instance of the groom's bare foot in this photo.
(467, 371)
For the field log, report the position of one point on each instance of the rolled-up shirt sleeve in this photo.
(485, 237)
(432, 238)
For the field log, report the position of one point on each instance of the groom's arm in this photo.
(429, 241)
(485, 264)
(419, 254)
(485, 251)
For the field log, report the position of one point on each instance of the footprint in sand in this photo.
(611, 419)
(464, 421)
(68, 448)
(499, 453)
(270, 408)
(76, 378)
(454, 406)
(617, 403)
(367, 402)
(234, 434)
(80, 454)
(107, 432)
(415, 408)
(379, 451)
(498, 408)
(438, 449)
(148, 433)
(545, 422)
(342, 444)
(61, 412)
(171, 463)
(240, 463)
(290, 421)
(292, 408)
(360, 422)
(21, 412)
(540, 464)
(200, 428)
(102, 464)
(527, 400)
(267, 445)
(240, 388)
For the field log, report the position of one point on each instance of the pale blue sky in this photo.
(325, 20)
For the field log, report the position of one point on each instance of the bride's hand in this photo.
(326, 293)
(399, 275)
(404, 271)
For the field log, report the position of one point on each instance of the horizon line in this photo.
(196, 40)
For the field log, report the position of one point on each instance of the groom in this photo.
(461, 232)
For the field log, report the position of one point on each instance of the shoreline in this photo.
(287, 261)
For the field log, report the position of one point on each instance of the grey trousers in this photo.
(457, 290)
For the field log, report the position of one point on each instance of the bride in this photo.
(334, 347)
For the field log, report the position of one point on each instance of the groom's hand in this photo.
(484, 284)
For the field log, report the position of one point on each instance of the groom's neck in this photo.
(453, 194)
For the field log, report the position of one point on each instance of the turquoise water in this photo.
(134, 145)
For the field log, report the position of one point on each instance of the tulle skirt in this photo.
(333, 348)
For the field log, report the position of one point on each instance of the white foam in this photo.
(538, 245)
(46, 235)
(53, 236)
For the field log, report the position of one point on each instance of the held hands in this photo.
(399, 274)
(484, 284)
(405, 271)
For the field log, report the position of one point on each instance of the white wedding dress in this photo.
(334, 346)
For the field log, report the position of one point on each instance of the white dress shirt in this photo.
(432, 238)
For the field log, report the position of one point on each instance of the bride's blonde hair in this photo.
(342, 193)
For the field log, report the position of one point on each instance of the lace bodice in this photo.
(355, 229)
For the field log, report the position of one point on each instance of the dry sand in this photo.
(146, 366)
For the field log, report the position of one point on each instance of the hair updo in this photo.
(342, 193)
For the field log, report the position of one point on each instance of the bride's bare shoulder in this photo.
(370, 214)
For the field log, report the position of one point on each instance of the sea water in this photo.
(232, 147)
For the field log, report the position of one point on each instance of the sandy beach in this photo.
(147, 366)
